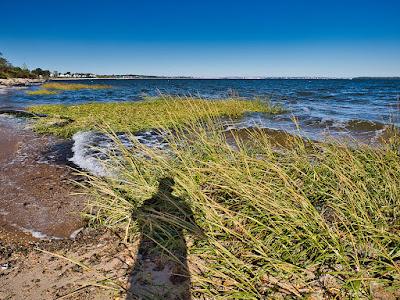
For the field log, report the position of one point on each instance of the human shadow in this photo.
(161, 269)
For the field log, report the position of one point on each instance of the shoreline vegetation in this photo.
(153, 112)
(8, 71)
(52, 88)
(73, 86)
(307, 220)
(41, 92)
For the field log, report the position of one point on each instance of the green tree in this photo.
(40, 72)
(3, 62)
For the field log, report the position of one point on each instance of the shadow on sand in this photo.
(161, 270)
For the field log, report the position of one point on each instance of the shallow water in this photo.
(344, 108)
(335, 107)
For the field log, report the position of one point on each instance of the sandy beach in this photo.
(46, 251)
(39, 217)
(35, 189)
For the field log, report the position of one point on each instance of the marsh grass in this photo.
(53, 88)
(73, 86)
(41, 92)
(291, 222)
(162, 111)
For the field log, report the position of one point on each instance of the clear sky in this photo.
(204, 37)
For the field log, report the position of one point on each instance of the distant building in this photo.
(74, 75)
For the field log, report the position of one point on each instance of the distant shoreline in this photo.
(225, 78)
(20, 82)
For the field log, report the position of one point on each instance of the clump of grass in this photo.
(137, 116)
(292, 222)
(51, 88)
(73, 86)
(41, 92)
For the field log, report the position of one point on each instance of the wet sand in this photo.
(35, 205)
(35, 187)
(36, 200)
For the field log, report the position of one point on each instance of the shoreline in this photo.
(194, 78)
(20, 82)
(35, 188)
(311, 181)
(46, 249)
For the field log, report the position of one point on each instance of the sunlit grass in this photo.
(161, 111)
(72, 86)
(41, 92)
(302, 221)
(53, 88)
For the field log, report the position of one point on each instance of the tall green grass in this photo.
(301, 221)
(164, 111)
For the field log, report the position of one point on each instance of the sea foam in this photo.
(92, 151)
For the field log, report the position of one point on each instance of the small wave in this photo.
(327, 96)
(319, 122)
(305, 93)
(350, 125)
(364, 125)
(85, 154)
(92, 150)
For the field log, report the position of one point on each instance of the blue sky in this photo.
(205, 38)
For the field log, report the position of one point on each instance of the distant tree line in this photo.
(7, 70)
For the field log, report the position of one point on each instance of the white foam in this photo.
(92, 150)
(84, 155)
(37, 234)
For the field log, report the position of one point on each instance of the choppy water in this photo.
(337, 106)
(362, 109)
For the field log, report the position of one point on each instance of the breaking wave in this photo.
(92, 150)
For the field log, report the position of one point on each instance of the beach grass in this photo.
(72, 86)
(308, 220)
(41, 92)
(162, 111)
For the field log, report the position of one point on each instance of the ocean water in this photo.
(362, 109)
(313, 102)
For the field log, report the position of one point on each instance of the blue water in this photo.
(320, 106)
